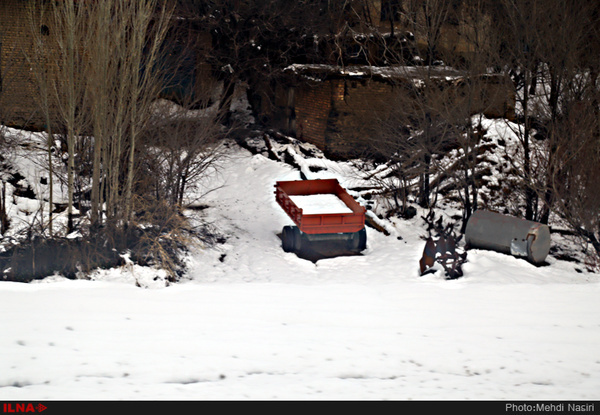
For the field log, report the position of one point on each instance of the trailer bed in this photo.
(342, 215)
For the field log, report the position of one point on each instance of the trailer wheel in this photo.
(297, 239)
(358, 241)
(288, 238)
(362, 239)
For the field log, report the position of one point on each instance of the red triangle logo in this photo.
(40, 407)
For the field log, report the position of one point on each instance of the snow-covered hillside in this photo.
(250, 321)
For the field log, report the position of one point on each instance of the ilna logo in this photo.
(23, 407)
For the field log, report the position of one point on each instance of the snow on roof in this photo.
(383, 72)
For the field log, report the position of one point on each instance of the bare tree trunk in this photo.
(41, 67)
(69, 85)
(3, 217)
(144, 85)
(529, 192)
(50, 145)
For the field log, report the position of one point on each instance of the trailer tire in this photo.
(358, 241)
(288, 238)
(297, 239)
(362, 239)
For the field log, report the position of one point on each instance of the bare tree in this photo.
(561, 79)
(517, 24)
(427, 18)
(183, 145)
(98, 72)
(254, 41)
(574, 168)
(60, 75)
(475, 92)
(569, 114)
(412, 134)
(125, 75)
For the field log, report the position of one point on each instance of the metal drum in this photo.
(509, 235)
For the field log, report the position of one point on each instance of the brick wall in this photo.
(357, 104)
(313, 104)
(332, 114)
(19, 91)
(497, 99)
(337, 114)
(18, 105)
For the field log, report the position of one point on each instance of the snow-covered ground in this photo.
(251, 322)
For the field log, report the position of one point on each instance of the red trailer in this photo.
(322, 210)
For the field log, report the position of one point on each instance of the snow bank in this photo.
(253, 322)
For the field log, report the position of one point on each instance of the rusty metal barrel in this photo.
(508, 235)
